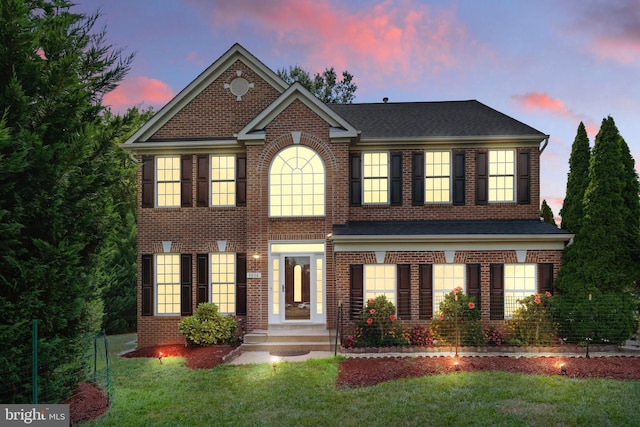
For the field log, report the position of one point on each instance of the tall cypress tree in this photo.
(572, 210)
(631, 196)
(599, 263)
(54, 70)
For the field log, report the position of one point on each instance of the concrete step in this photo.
(289, 339)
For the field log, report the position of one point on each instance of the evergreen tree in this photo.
(600, 262)
(547, 214)
(56, 175)
(631, 196)
(325, 86)
(572, 210)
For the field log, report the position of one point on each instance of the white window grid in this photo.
(437, 176)
(380, 279)
(168, 283)
(223, 180)
(223, 281)
(446, 277)
(375, 176)
(297, 183)
(168, 181)
(502, 175)
(520, 281)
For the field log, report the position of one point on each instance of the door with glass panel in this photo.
(296, 279)
(297, 292)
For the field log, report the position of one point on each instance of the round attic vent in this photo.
(239, 86)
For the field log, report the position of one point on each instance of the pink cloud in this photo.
(541, 101)
(387, 39)
(137, 91)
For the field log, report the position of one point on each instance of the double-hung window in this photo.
(437, 176)
(380, 279)
(519, 282)
(223, 180)
(168, 283)
(446, 277)
(375, 174)
(168, 181)
(223, 281)
(502, 175)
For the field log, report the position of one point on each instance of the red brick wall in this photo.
(344, 259)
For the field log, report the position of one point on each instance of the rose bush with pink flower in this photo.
(457, 320)
(377, 325)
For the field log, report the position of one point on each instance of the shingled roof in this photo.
(447, 227)
(431, 120)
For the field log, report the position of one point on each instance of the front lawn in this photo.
(149, 393)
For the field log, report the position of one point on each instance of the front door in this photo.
(297, 292)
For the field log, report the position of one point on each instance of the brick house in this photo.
(283, 210)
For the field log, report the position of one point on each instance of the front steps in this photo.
(290, 339)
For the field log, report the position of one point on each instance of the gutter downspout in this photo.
(546, 142)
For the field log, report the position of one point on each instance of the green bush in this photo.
(532, 323)
(207, 326)
(377, 326)
(458, 321)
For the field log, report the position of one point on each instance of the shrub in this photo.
(493, 336)
(532, 322)
(458, 321)
(207, 326)
(421, 335)
(377, 326)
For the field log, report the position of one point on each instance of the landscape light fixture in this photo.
(563, 369)
(456, 366)
(160, 357)
(274, 363)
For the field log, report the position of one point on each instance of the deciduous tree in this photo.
(325, 86)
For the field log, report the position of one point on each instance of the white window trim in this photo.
(211, 181)
(395, 284)
(156, 285)
(387, 177)
(436, 304)
(235, 284)
(513, 176)
(450, 176)
(156, 181)
(524, 292)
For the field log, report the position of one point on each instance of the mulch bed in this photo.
(364, 371)
(89, 403)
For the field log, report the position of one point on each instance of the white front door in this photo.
(296, 283)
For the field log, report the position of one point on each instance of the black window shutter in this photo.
(473, 283)
(186, 308)
(482, 178)
(524, 177)
(417, 178)
(186, 181)
(396, 178)
(241, 180)
(147, 285)
(202, 277)
(425, 280)
(241, 284)
(497, 292)
(356, 287)
(404, 291)
(355, 179)
(459, 178)
(202, 185)
(545, 277)
(148, 187)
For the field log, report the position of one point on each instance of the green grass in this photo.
(148, 393)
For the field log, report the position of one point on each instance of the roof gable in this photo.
(222, 64)
(340, 128)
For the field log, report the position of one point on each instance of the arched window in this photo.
(296, 183)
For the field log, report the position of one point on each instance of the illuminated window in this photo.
(519, 282)
(438, 176)
(375, 176)
(501, 175)
(223, 281)
(168, 283)
(296, 183)
(446, 277)
(223, 185)
(168, 181)
(380, 279)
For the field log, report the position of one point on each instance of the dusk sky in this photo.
(548, 63)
